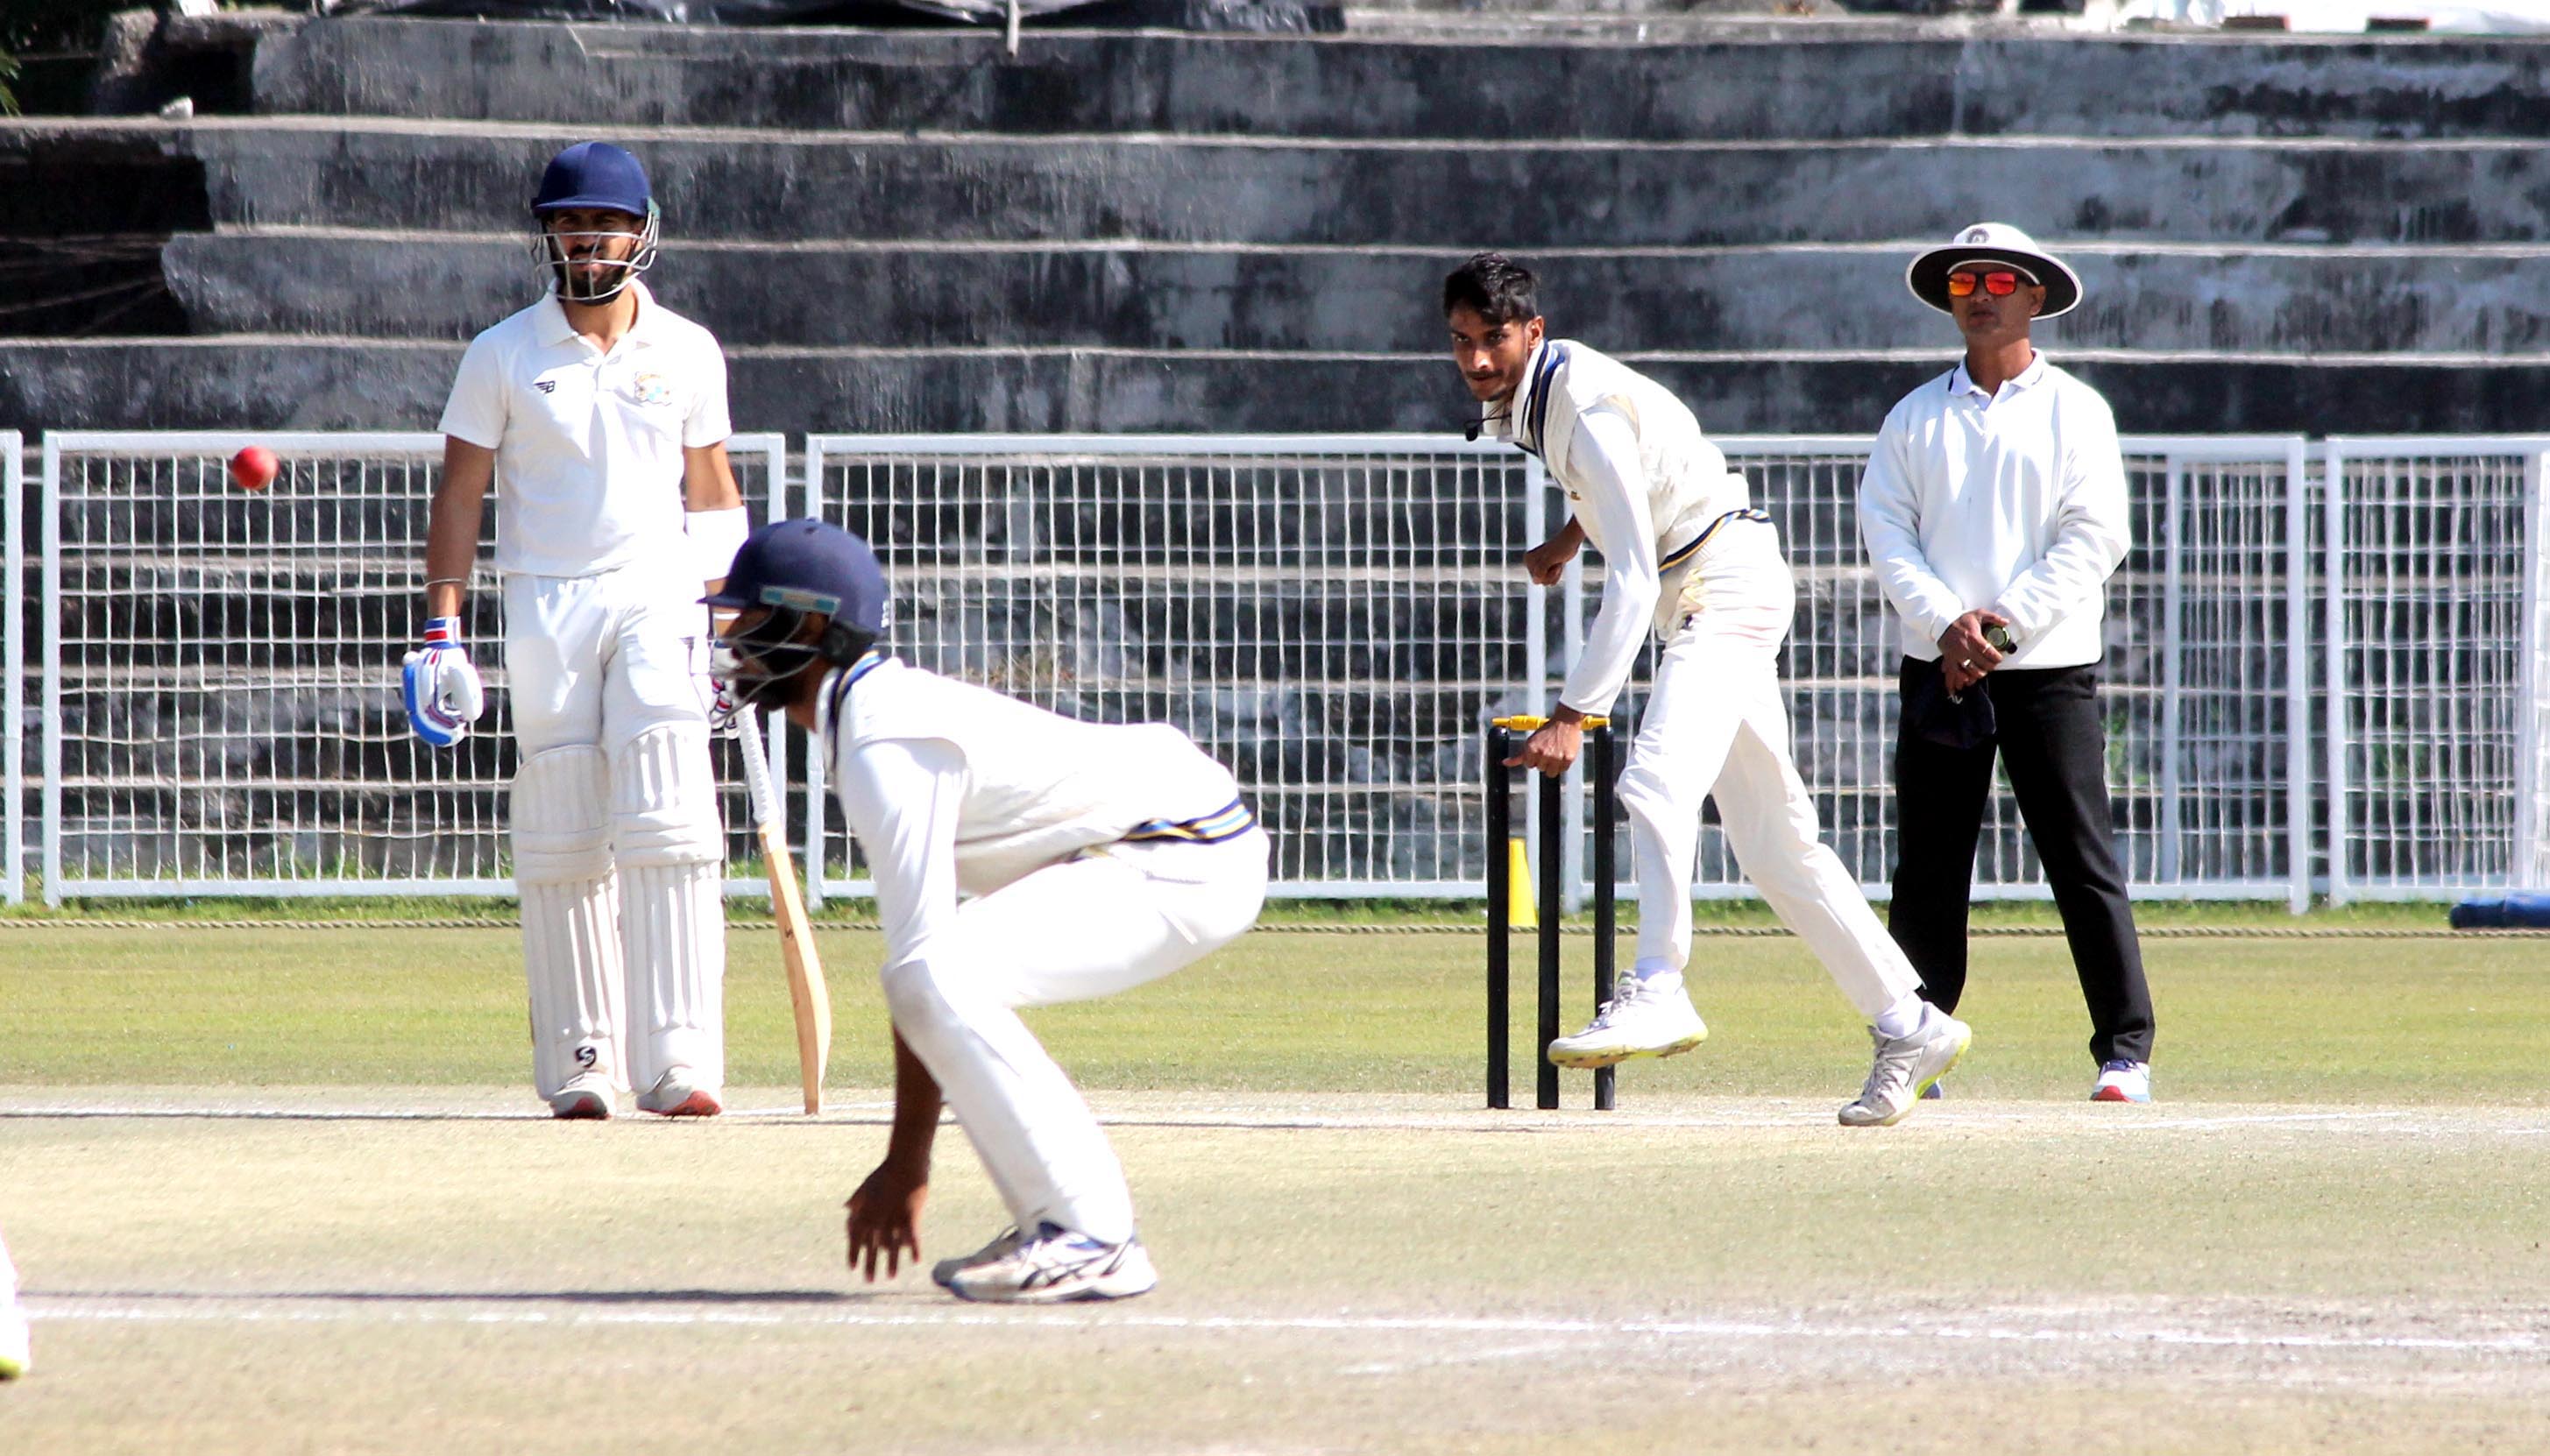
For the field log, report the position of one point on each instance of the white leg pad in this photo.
(672, 855)
(570, 917)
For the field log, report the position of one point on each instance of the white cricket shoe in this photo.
(2122, 1081)
(677, 1094)
(1641, 1020)
(13, 1340)
(584, 1098)
(1907, 1066)
(1057, 1265)
(944, 1272)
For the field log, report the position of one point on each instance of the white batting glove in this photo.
(443, 694)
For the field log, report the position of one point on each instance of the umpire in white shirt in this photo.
(1994, 507)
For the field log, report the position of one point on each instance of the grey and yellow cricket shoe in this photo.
(1653, 1018)
(1907, 1066)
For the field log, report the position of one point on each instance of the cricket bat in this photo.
(806, 993)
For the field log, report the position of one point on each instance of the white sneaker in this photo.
(2122, 1081)
(1907, 1066)
(944, 1272)
(13, 1341)
(585, 1098)
(677, 1094)
(1057, 1265)
(1641, 1020)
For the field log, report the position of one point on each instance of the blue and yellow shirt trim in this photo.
(1230, 821)
(1692, 548)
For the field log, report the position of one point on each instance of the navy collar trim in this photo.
(1535, 414)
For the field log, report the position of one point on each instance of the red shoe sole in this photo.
(584, 1110)
(2110, 1094)
(696, 1104)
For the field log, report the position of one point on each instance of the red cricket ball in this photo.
(253, 467)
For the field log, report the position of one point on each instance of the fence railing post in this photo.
(2334, 572)
(2300, 834)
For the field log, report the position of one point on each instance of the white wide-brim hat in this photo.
(1995, 242)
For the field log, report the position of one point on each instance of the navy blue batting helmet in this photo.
(594, 174)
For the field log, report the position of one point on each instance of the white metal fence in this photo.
(1333, 617)
(2329, 677)
(2438, 560)
(221, 699)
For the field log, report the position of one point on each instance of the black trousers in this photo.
(2051, 739)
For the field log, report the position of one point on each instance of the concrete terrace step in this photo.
(441, 176)
(273, 381)
(2293, 300)
(1719, 80)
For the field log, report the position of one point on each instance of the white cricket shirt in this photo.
(955, 789)
(589, 446)
(2012, 502)
(1644, 481)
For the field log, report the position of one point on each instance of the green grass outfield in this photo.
(285, 1189)
(2429, 1020)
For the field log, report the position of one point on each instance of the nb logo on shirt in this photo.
(546, 386)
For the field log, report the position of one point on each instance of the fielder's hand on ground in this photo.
(1964, 655)
(443, 694)
(885, 1220)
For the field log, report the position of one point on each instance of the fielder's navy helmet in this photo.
(798, 569)
(594, 174)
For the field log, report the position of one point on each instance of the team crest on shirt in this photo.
(651, 389)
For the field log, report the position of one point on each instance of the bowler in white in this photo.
(600, 418)
(1687, 556)
(1020, 858)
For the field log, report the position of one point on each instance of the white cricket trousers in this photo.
(618, 848)
(1716, 725)
(1106, 922)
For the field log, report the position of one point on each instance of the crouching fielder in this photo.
(1682, 543)
(1097, 859)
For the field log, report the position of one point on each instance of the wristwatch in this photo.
(2000, 641)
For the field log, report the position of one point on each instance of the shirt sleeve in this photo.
(1890, 527)
(1603, 463)
(475, 413)
(901, 798)
(2090, 528)
(708, 424)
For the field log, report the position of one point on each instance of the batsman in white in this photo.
(603, 415)
(1096, 857)
(1682, 548)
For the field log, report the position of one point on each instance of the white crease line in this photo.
(259, 1308)
(1475, 1357)
(2064, 1118)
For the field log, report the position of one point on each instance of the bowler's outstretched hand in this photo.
(1547, 562)
(1553, 746)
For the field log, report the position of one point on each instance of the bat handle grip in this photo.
(756, 767)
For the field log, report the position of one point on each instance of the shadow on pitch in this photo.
(733, 1298)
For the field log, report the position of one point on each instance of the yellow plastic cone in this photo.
(1523, 912)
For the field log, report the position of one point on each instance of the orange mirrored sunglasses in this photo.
(2000, 284)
